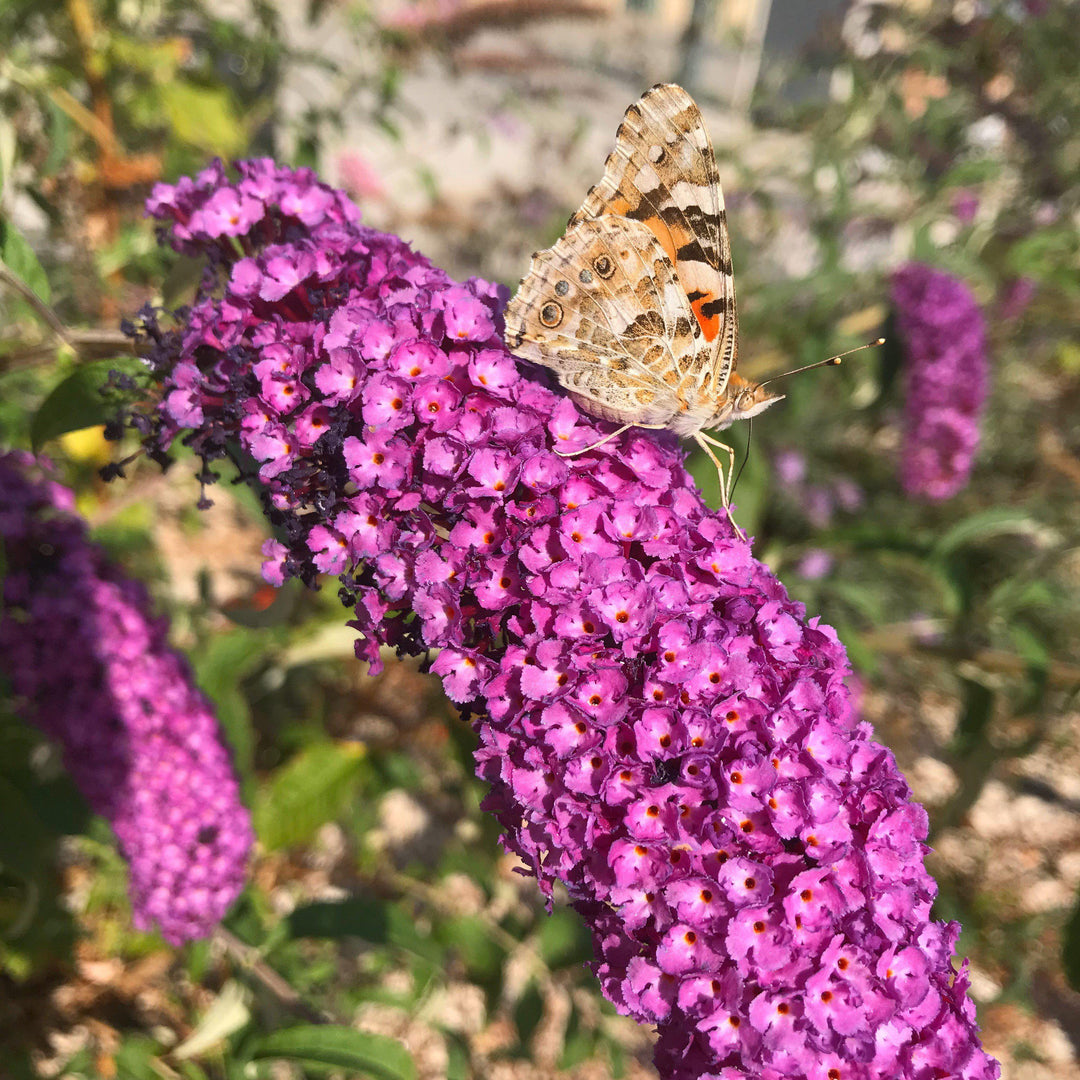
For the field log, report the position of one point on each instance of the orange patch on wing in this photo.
(710, 324)
(655, 224)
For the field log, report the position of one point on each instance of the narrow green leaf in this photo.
(228, 1012)
(78, 401)
(579, 1042)
(1030, 646)
(20, 259)
(181, 280)
(861, 599)
(357, 917)
(309, 791)
(24, 840)
(59, 139)
(219, 669)
(1070, 947)
(971, 730)
(9, 150)
(564, 941)
(528, 1012)
(457, 1058)
(471, 938)
(980, 526)
(370, 920)
(369, 1055)
(136, 1058)
(205, 117)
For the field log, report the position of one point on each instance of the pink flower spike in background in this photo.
(665, 734)
(943, 335)
(359, 177)
(91, 667)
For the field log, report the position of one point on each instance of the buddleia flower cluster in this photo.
(92, 668)
(943, 335)
(663, 730)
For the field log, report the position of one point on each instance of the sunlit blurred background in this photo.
(852, 138)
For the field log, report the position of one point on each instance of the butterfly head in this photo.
(743, 400)
(753, 399)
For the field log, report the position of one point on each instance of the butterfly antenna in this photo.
(746, 456)
(832, 361)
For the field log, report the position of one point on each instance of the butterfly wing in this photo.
(605, 310)
(663, 174)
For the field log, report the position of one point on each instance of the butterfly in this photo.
(633, 308)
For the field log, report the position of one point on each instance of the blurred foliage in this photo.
(954, 142)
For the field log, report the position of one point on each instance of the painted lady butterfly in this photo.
(634, 307)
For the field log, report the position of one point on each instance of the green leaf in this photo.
(579, 1042)
(204, 117)
(1070, 947)
(981, 526)
(1047, 255)
(9, 150)
(25, 842)
(564, 941)
(59, 139)
(228, 1013)
(309, 791)
(78, 401)
(457, 1058)
(357, 917)
(219, 669)
(367, 1054)
(181, 281)
(1030, 645)
(370, 920)
(136, 1058)
(528, 1012)
(1015, 596)
(972, 728)
(20, 259)
(472, 939)
(859, 598)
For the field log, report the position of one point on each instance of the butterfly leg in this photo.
(706, 442)
(606, 438)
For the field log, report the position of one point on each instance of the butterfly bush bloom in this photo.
(663, 730)
(944, 338)
(91, 668)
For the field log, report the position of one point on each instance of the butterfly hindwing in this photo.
(663, 173)
(605, 309)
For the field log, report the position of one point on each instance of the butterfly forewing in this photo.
(663, 173)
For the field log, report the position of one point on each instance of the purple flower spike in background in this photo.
(1015, 298)
(965, 205)
(664, 732)
(943, 336)
(92, 668)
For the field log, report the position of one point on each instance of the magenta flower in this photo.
(1015, 297)
(91, 668)
(965, 205)
(947, 380)
(663, 730)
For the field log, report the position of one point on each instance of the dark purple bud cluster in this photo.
(664, 731)
(947, 379)
(91, 667)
